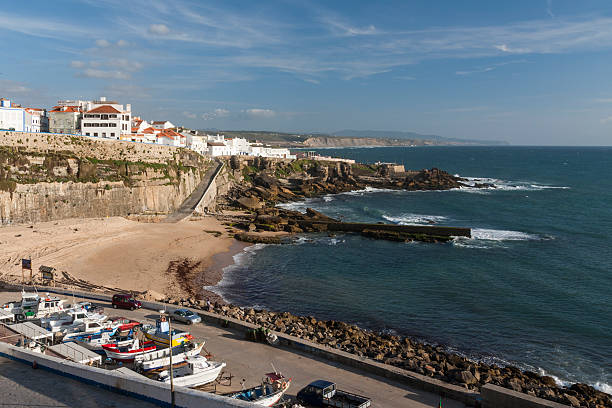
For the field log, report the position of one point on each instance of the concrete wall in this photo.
(494, 396)
(141, 388)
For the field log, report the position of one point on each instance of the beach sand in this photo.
(173, 260)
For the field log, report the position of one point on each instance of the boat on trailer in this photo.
(160, 358)
(197, 371)
(160, 334)
(127, 352)
(268, 393)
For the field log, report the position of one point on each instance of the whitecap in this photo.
(410, 218)
(502, 235)
(504, 185)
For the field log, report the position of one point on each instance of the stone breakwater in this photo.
(425, 359)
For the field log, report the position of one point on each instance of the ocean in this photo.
(531, 288)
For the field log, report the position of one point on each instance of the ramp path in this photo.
(191, 202)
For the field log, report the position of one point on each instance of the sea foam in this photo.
(410, 218)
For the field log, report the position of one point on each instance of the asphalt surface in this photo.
(247, 362)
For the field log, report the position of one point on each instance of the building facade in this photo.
(107, 119)
(65, 119)
(11, 118)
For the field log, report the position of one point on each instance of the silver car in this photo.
(185, 316)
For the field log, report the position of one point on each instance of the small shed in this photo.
(47, 273)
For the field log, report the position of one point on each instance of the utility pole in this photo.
(163, 313)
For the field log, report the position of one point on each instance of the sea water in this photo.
(532, 287)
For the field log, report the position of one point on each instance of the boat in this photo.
(159, 359)
(197, 371)
(127, 352)
(32, 306)
(94, 342)
(160, 334)
(70, 319)
(268, 393)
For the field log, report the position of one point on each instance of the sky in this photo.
(534, 72)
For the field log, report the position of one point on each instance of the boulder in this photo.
(250, 203)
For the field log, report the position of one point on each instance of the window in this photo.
(96, 134)
(112, 134)
(87, 134)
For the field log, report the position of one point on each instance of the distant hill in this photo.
(349, 138)
(390, 134)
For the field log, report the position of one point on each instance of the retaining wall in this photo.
(408, 229)
(144, 389)
(220, 185)
(494, 396)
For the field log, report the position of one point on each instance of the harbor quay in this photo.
(246, 363)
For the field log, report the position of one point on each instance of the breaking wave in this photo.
(409, 218)
(503, 185)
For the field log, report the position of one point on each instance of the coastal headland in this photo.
(130, 250)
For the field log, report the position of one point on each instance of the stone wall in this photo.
(83, 146)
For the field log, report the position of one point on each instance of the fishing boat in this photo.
(127, 352)
(70, 319)
(159, 359)
(33, 306)
(268, 393)
(94, 342)
(197, 371)
(160, 334)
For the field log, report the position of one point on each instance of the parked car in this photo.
(125, 324)
(126, 301)
(323, 393)
(185, 316)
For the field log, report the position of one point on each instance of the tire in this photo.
(19, 317)
(132, 308)
(114, 306)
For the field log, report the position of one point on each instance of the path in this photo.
(190, 203)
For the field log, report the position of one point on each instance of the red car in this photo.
(125, 323)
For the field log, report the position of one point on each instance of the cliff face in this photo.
(38, 202)
(77, 177)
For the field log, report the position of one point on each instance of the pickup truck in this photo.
(323, 393)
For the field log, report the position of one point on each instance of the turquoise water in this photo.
(533, 287)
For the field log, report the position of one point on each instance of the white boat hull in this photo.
(199, 378)
(161, 358)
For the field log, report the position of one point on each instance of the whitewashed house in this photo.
(107, 119)
(218, 149)
(197, 143)
(238, 146)
(169, 137)
(11, 117)
(36, 120)
(162, 124)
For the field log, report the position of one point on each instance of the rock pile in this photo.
(429, 360)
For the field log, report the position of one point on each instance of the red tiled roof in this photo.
(150, 130)
(65, 109)
(159, 122)
(104, 109)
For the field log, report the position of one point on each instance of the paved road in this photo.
(190, 203)
(250, 361)
(22, 386)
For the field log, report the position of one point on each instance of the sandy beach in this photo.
(173, 260)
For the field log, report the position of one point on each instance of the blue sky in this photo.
(529, 72)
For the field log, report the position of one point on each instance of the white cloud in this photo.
(505, 48)
(159, 29)
(190, 115)
(124, 64)
(489, 68)
(105, 74)
(103, 43)
(122, 43)
(260, 113)
(217, 113)
(77, 64)
(8, 87)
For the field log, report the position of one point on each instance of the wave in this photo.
(483, 238)
(410, 218)
(229, 277)
(504, 185)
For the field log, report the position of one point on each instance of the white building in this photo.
(11, 118)
(162, 124)
(197, 143)
(218, 149)
(238, 146)
(107, 119)
(36, 120)
(169, 137)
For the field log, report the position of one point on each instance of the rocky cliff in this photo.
(77, 177)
